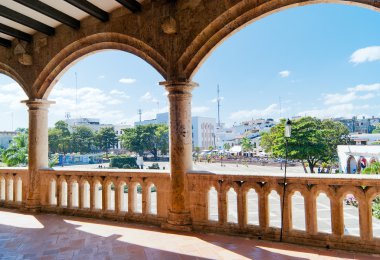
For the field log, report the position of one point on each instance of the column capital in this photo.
(36, 104)
(178, 86)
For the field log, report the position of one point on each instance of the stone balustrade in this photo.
(13, 183)
(143, 196)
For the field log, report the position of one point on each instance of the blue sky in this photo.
(320, 60)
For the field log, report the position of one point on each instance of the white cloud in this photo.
(11, 96)
(284, 73)
(127, 80)
(269, 111)
(101, 77)
(148, 97)
(341, 110)
(367, 54)
(199, 110)
(119, 93)
(216, 99)
(362, 87)
(352, 94)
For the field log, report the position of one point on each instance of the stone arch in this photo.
(91, 44)
(236, 17)
(10, 72)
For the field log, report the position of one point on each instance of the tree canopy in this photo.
(105, 139)
(17, 152)
(313, 140)
(152, 138)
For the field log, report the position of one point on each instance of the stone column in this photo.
(38, 148)
(179, 216)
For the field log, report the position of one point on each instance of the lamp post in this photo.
(287, 134)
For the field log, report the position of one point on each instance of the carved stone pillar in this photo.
(38, 148)
(179, 216)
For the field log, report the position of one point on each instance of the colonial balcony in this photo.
(144, 197)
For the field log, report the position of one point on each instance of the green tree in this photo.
(17, 152)
(82, 139)
(246, 144)
(313, 140)
(226, 146)
(105, 139)
(152, 138)
(59, 138)
(376, 130)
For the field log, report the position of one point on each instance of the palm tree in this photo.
(17, 152)
(246, 144)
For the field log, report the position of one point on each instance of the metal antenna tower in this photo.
(140, 113)
(218, 99)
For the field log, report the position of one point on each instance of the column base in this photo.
(178, 221)
(32, 206)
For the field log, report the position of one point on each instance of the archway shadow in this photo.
(74, 237)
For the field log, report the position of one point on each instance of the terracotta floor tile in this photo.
(48, 236)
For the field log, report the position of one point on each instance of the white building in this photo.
(93, 123)
(6, 138)
(203, 132)
(119, 131)
(365, 139)
(354, 158)
(203, 129)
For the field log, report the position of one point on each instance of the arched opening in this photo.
(138, 198)
(98, 196)
(2, 188)
(10, 189)
(376, 216)
(212, 205)
(298, 211)
(74, 194)
(89, 122)
(19, 189)
(323, 213)
(53, 192)
(123, 197)
(351, 215)
(252, 207)
(262, 76)
(152, 199)
(232, 210)
(274, 209)
(63, 193)
(111, 196)
(13, 128)
(86, 195)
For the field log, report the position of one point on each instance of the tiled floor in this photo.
(45, 236)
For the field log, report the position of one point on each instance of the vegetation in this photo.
(17, 152)
(373, 168)
(124, 162)
(313, 140)
(105, 139)
(246, 144)
(152, 138)
(226, 146)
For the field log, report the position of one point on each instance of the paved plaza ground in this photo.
(48, 236)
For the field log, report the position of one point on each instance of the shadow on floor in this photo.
(73, 238)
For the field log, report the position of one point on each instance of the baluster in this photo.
(92, 194)
(70, 194)
(337, 217)
(222, 203)
(59, 193)
(81, 194)
(118, 194)
(263, 209)
(145, 199)
(105, 195)
(365, 219)
(242, 208)
(311, 213)
(6, 179)
(288, 221)
(15, 181)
